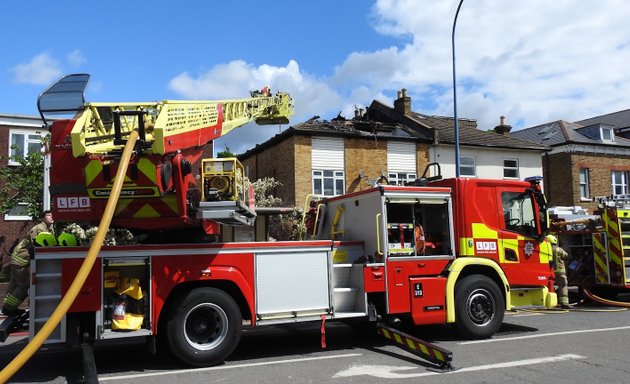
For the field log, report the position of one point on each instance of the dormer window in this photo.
(606, 133)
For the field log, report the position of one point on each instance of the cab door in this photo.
(519, 230)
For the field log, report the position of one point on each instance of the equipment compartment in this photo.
(126, 297)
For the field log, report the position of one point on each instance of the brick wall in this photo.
(290, 162)
(562, 176)
(303, 170)
(368, 156)
(422, 157)
(278, 162)
(11, 232)
(557, 176)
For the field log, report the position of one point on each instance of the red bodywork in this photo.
(479, 201)
(157, 193)
(171, 266)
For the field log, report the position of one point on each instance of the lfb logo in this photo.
(73, 202)
(489, 246)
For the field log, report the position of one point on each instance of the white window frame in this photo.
(26, 140)
(511, 168)
(623, 184)
(400, 178)
(607, 131)
(319, 176)
(584, 184)
(9, 217)
(468, 166)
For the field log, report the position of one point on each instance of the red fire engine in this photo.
(452, 251)
(598, 245)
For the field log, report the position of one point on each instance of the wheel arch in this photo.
(466, 266)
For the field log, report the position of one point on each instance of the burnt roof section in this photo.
(359, 127)
(385, 122)
(562, 132)
(443, 129)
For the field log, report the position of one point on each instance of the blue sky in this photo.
(532, 61)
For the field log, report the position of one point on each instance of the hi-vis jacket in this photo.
(21, 253)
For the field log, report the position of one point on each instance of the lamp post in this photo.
(456, 126)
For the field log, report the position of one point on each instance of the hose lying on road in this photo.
(601, 300)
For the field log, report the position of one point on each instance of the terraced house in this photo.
(385, 143)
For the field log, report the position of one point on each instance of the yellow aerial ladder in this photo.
(161, 188)
(168, 125)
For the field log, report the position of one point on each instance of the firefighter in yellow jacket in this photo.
(20, 262)
(559, 259)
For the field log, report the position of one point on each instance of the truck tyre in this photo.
(203, 327)
(479, 307)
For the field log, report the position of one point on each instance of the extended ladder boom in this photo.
(171, 125)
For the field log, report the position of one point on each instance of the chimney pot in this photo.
(502, 128)
(402, 105)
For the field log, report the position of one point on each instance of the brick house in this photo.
(25, 132)
(586, 159)
(328, 158)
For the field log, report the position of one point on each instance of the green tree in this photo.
(23, 184)
(225, 153)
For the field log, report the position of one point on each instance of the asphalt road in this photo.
(581, 346)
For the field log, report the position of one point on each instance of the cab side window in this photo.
(518, 213)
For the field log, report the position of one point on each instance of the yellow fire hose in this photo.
(79, 280)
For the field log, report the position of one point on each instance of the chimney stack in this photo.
(403, 103)
(502, 128)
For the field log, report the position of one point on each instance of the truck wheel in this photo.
(204, 327)
(479, 307)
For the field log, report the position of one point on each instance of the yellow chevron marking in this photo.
(145, 212)
(411, 344)
(92, 170)
(424, 349)
(398, 338)
(600, 261)
(171, 201)
(148, 169)
(439, 355)
(122, 204)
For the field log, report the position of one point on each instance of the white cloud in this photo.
(532, 61)
(235, 79)
(76, 58)
(41, 70)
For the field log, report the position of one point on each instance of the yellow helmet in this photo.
(552, 239)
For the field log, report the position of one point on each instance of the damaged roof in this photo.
(444, 132)
(383, 121)
(342, 127)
